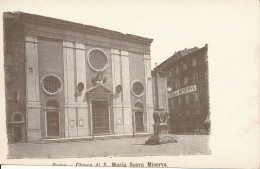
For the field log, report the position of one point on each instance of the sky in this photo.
(174, 25)
(229, 27)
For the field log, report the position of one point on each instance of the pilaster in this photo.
(126, 98)
(33, 107)
(69, 88)
(148, 94)
(81, 121)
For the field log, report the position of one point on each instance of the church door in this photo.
(139, 121)
(53, 128)
(17, 134)
(100, 117)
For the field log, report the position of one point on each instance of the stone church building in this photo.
(65, 80)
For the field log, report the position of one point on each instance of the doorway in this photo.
(100, 117)
(53, 127)
(17, 134)
(139, 121)
(17, 127)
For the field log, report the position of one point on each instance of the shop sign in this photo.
(182, 91)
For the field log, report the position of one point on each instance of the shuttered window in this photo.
(194, 63)
(196, 77)
(187, 99)
(177, 69)
(196, 97)
(179, 100)
(186, 79)
(184, 66)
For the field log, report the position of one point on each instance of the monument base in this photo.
(155, 140)
(160, 136)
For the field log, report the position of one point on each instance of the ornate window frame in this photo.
(88, 56)
(133, 90)
(45, 91)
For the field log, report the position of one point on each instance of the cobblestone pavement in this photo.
(186, 145)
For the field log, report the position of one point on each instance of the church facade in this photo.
(65, 80)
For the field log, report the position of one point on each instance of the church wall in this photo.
(51, 49)
(50, 62)
(137, 67)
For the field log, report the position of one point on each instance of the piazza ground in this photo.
(186, 145)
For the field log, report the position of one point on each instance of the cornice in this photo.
(89, 42)
(67, 25)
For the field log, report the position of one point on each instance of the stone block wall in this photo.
(14, 65)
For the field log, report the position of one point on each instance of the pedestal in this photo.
(160, 135)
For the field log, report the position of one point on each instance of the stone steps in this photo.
(89, 138)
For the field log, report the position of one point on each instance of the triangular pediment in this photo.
(100, 89)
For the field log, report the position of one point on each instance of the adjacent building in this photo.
(188, 97)
(64, 79)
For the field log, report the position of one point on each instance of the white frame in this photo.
(45, 91)
(97, 70)
(81, 121)
(133, 90)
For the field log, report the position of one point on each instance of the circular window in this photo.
(51, 84)
(97, 60)
(138, 88)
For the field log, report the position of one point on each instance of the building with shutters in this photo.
(66, 80)
(188, 98)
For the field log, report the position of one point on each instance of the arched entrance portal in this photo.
(52, 117)
(139, 117)
(17, 123)
(100, 108)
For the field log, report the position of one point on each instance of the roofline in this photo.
(167, 60)
(38, 18)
